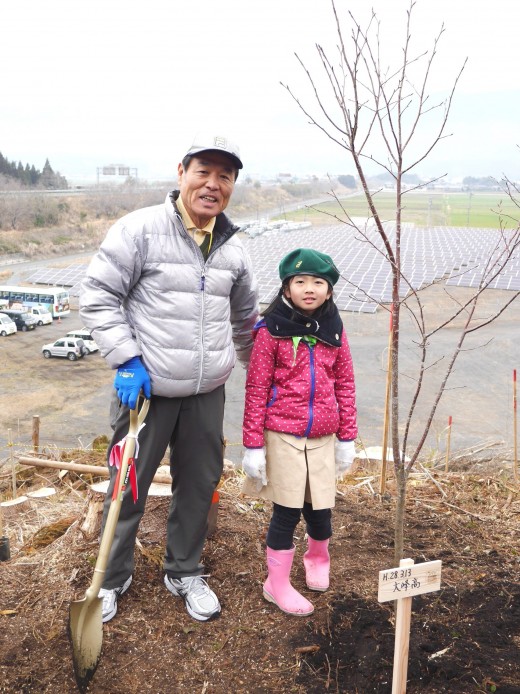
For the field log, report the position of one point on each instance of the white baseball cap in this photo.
(219, 143)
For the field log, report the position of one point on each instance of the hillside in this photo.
(41, 225)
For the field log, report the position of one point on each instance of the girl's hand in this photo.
(345, 452)
(255, 466)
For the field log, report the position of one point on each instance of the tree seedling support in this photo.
(448, 443)
(515, 440)
(386, 420)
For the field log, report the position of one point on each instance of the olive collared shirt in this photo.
(202, 237)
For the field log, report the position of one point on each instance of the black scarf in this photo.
(285, 321)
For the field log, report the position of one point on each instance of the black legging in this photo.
(284, 521)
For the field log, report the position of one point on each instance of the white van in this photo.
(42, 315)
(84, 334)
(7, 325)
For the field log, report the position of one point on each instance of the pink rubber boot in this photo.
(278, 588)
(317, 564)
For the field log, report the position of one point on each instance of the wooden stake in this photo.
(386, 419)
(403, 620)
(11, 457)
(448, 443)
(401, 584)
(515, 441)
(36, 433)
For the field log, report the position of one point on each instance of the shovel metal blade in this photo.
(86, 636)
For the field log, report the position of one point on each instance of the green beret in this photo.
(306, 261)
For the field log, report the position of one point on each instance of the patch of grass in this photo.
(481, 210)
(60, 240)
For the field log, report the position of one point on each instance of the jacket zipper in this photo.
(201, 325)
(196, 248)
(313, 390)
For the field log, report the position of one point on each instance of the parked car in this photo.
(23, 320)
(87, 338)
(7, 325)
(70, 347)
(42, 315)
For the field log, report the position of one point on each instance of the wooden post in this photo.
(386, 418)
(403, 619)
(515, 441)
(11, 457)
(448, 443)
(36, 433)
(403, 583)
(80, 468)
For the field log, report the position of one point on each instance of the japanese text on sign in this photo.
(407, 581)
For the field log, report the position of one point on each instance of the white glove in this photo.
(345, 452)
(255, 466)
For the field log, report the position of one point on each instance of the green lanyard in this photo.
(310, 339)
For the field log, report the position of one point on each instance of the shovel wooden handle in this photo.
(136, 419)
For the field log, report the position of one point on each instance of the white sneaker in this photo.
(201, 602)
(110, 596)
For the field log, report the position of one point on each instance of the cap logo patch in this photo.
(220, 142)
(298, 263)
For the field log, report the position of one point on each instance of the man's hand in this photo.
(345, 452)
(255, 466)
(131, 378)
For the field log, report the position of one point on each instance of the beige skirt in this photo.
(298, 470)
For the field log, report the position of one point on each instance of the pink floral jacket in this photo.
(309, 393)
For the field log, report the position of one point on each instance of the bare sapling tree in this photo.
(380, 115)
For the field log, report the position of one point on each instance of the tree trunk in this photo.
(401, 477)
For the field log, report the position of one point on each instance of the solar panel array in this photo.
(458, 256)
(70, 277)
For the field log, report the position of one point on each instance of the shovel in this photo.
(85, 618)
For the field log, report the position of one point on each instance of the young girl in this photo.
(299, 420)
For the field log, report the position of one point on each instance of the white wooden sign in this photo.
(407, 581)
(401, 585)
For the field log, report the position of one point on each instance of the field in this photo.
(424, 209)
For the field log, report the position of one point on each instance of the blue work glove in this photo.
(131, 378)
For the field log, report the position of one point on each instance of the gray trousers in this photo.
(193, 428)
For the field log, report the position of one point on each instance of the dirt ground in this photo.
(464, 638)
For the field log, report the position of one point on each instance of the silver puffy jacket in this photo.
(149, 293)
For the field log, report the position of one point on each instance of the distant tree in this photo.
(34, 176)
(484, 182)
(348, 181)
(51, 180)
(27, 175)
(47, 177)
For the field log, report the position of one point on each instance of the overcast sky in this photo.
(93, 82)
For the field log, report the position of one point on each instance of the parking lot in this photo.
(72, 399)
(66, 395)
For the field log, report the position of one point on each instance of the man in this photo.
(171, 299)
